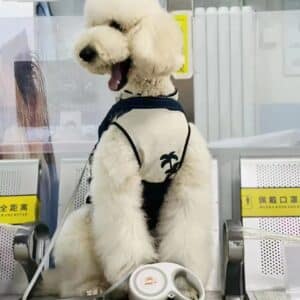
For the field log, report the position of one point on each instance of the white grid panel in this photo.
(13, 279)
(264, 260)
(10, 182)
(70, 173)
(272, 255)
(19, 177)
(7, 263)
(270, 173)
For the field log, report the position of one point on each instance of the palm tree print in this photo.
(168, 159)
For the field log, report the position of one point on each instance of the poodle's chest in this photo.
(158, 135)
(158, 138)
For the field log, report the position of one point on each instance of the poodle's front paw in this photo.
(92, 288)
(96, 291)
(186, 288)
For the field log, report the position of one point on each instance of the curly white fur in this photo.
(109, 239)
(121, 237)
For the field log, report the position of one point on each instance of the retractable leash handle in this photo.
(158, 282)
(192, 279)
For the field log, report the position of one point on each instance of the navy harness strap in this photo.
(130, 142)
(124, 106)
(185, 145)
(160, 96)
(153, 193)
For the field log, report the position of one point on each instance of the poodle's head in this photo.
(127, 38)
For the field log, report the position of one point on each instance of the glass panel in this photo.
(277, 72)
(216, 3)
(265, 5)
(67, 8)
(246, 73)
(13, 9)
(50, 110)
(258, 5)
(15, 41)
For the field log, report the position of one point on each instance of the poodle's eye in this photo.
(116, 25)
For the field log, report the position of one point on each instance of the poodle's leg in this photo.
(76, 269)
(122, 241)
(186, 225)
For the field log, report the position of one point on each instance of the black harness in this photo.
(153, 193)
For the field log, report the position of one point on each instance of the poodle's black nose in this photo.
(88, 54)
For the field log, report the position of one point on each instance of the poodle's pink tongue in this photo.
(116, 77)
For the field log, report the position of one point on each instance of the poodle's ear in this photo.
(156, 45)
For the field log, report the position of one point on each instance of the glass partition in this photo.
(50, 110)
(246, 95)
(258, 5)
(246, 78)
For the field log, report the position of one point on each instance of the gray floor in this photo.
(209, 296)
(39, 298)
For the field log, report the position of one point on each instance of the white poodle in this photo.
(140, 45)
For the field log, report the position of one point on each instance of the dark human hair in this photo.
(30, 93)
(32, 112)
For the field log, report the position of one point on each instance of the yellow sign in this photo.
(270, 202)
(183, 18)
(19, 209)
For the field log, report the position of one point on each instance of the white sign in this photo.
(291, 35)
(12, 9)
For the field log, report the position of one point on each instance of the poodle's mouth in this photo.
(119, 72)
